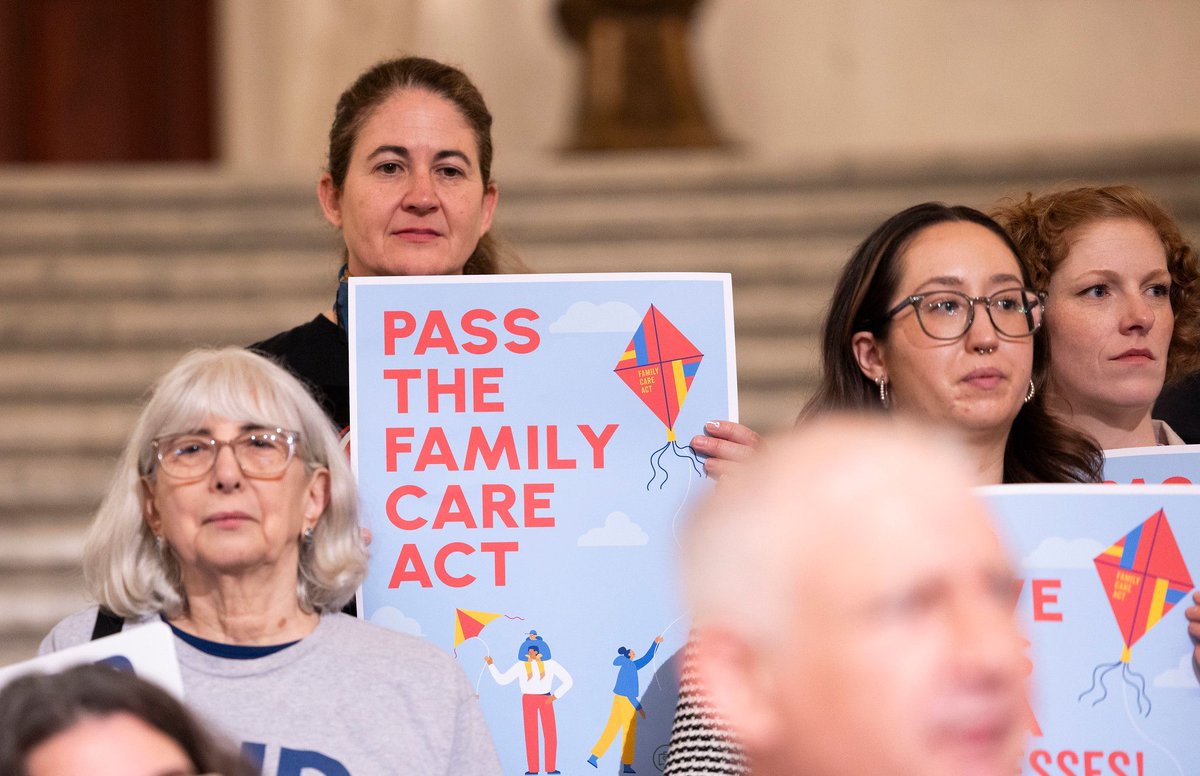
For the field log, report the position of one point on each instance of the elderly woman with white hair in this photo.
(233, 518)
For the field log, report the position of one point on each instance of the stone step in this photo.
(66, 375)
(32, 603)
(155, 323)
(266, 275)
(258, 276)
(55, 482)
(178, 210)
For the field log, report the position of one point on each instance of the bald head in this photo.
(847, 586)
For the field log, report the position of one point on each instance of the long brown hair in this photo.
(1040, 447)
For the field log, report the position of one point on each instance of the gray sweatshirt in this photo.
(349, 698)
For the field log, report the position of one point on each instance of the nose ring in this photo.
(985, 351)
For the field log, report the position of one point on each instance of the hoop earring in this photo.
(1032, 391)
(882, 382)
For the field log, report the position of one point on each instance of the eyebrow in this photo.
(247, 426)
(402, 151)
(957, 282)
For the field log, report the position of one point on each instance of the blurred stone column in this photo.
(638, 88)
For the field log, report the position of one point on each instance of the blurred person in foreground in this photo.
(233, 517)
(93, 720)
(853, 609)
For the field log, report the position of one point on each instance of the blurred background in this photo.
(158, 161)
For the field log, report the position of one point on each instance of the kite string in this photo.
(1142, 733)
(654, 660)
(488, 651)
(1101, 671)
(1128, 674)
(678, 512)
(656, 466)
(688, 455)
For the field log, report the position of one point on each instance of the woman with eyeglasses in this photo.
(932, 318)
(1122, 306)
(233, 518)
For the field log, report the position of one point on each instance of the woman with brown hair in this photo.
(906, 331)
(409, 185)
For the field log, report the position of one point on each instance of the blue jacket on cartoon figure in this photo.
(627, 677)
(533, 640)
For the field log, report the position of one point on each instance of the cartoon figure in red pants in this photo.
(535, 673)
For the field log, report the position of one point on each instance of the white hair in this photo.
(123, 569)
(746, 547)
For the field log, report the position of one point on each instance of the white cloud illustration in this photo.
(587, 317)
(618, 531)
(1181, 676)
(394, 619)
(1057, 553)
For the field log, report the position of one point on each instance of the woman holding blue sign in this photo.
(248, 553)
(409, 185)
(1122, 292)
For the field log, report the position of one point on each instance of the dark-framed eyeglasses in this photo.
(948, 315)
(259, 452)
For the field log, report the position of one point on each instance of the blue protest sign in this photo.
(521, 446)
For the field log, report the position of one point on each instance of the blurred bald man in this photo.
(853, 609)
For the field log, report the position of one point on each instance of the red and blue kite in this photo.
(1145, 576)
(659, 366)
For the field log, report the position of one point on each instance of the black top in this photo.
(318, 353)
(1179, 406)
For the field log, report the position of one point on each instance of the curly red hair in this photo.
(1043, 228)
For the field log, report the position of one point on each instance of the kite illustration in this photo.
(468, 624)
(659, 366)
(1144, 576)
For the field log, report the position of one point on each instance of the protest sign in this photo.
(148, 651)
(521, 446)
(1106, 573)
(1163, 465)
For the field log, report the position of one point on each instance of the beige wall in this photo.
(791, 80)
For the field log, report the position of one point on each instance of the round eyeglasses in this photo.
(260, 452)
(948, 315)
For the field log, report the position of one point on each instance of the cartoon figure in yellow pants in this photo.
(625, 707)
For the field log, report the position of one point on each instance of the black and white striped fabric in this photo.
(701, 744)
